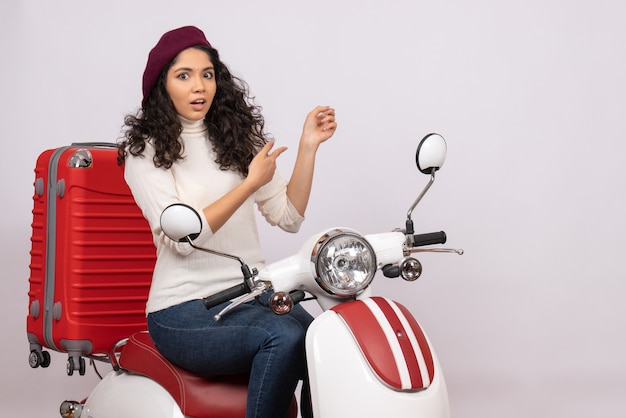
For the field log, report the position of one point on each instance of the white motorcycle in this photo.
(367, 356)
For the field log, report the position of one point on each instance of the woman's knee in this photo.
(288, 335)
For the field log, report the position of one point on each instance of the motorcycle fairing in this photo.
(391, 341)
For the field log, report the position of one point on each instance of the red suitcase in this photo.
(92, 256)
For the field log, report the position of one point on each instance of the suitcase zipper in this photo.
(51, 228)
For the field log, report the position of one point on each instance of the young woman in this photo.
(200, 140)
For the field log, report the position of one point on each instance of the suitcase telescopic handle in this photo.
(94, 144)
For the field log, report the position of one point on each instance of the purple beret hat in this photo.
(168, 47)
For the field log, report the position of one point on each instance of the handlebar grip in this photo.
(225, 295)
(420, 240)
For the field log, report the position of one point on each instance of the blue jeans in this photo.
(249, 339)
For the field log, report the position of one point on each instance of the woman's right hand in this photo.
(260, 172)
(263, 165)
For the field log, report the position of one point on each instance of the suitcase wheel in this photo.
(74, 363)
(39, 358)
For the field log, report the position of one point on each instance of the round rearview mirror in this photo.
(431, 153)
(179, 221)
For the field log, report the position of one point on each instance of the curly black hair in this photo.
(234, 123)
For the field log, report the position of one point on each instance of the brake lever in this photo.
(256, 291)
(437, 250)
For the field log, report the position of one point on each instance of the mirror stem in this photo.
(248, 275)
(206, 250)
(419, 198)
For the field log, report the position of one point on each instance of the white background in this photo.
(530, 95)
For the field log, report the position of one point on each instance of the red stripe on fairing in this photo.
(421, 339)
(376, 347)
(372, 341)
(405, 344)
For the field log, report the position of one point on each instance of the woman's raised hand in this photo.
(263, 165)
(319, 126)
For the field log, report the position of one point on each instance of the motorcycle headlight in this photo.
(344, 262)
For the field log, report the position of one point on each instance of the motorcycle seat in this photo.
(198, 396)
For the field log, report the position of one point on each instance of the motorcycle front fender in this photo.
(343, 382)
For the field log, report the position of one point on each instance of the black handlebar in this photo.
(419, 240)
(225, 295)
(431, 238)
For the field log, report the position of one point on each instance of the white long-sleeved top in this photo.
(181, 273)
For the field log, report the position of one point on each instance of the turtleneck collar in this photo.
(192, 126)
